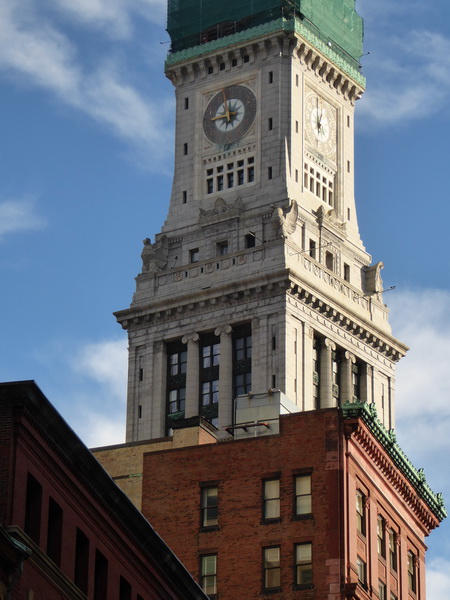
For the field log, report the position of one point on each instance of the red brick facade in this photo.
(84, 537)
(334, 452)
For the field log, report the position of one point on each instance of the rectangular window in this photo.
(230, 179)
(312, 249)
(381, 536)
(186, 103)
(270, 76)
(361, 569)
(251, 174)
(271, 569)
(242, 359)
(185, 148)
(346, 272)
(124, 589)
(240, 177)
(393, 550)
(222, 248)
(360, 512)
(271, 499)
(270, 124)
(81, 561)
(209, 506)
(194, 255)
(176, 381)
(303, 495)
(100, 577)
(208, 575)
(33, 505)
(210, 185)
(54, 531)
(382, 590)
(303, 566)
(250, 240)
(412, 578)
(269, 172)
(184, 197)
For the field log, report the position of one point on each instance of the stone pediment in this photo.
(221, 209)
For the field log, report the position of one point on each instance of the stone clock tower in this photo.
(259, 279)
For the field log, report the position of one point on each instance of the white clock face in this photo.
(320, 124)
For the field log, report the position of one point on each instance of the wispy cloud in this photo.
(114, 17)
(420, 318)
(19, 214)
(438, 579)
(37, 53)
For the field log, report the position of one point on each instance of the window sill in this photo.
(210, 528)
(271, 591)
(308, 586)
(306, 517)
(270, 521)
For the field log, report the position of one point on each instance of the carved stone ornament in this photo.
(373, 281)
(154, 256)
(329, 217)
(284, 221)
(221, 207)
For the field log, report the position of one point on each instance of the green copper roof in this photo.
(194, 22)
(368, 413)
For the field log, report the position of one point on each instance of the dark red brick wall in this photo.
(171, 502)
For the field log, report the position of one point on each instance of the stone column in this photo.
(326, 374)
(192, 375)
(225, 377)
(346, 377)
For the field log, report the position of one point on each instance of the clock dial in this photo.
(320, 124)
(229, 114)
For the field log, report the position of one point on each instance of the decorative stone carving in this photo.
(284, 222)
(221, 207)
(373, 281)
(329, 217)
(154, 256)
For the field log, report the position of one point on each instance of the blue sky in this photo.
(85, 176)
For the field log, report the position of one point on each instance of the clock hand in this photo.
(227, 108)
(225, 115)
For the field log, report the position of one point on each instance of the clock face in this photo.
(229, 114)
(320, 124)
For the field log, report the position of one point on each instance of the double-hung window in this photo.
(303, 566)
(271, 499)
(303, 499)
(208, 574)
(209, 506)
(271, 569)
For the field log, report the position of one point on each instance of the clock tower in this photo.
(259, 279)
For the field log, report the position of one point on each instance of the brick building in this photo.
(321, 504)
(66, 530)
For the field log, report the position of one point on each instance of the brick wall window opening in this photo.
(271, 569)
(208, 575)
(209, 506)
(412, 574)
(303, 566)
(33, 507)
(361, 570)
(381, 536)
(271, 499)
(100, 577)
(81, 561)
(393, 560)
(54, 531)
(303, 498)
(124, 589)
(382, 590)
(360, 512)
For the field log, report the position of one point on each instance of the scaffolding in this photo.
(194, 22)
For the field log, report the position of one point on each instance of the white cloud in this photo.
(438, 579)
(106, 364)
(36, 53)
(17, 215)
(114, 17)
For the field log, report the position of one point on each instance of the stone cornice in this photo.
(381, 343)
(314, 51)
(382, 446)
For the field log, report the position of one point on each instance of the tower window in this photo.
(250, 240)
(329, 260)
(270, 124)
(296, 79)
(208, 575)
(176, 380)
(250, 174)
(348, 166)
(348, 120)
(271, 499)
(246, 58)
(222, 66)
(209, 378)
(296, 126)
(222, 248)
(230, 179)
(296, 175)
(234, 62)
(210, 70)
(269, 173)
(270, 76)
(185, 148)
(194, 255)
(271, 569)
(346, 272)
(242, 359)
(220, 183)
(303, 566)
(312, 249)
(184, 197)
(186, 103)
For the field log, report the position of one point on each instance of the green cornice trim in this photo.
(280, 24)
(388, 440)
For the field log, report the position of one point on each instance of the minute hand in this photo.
(226, 115)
